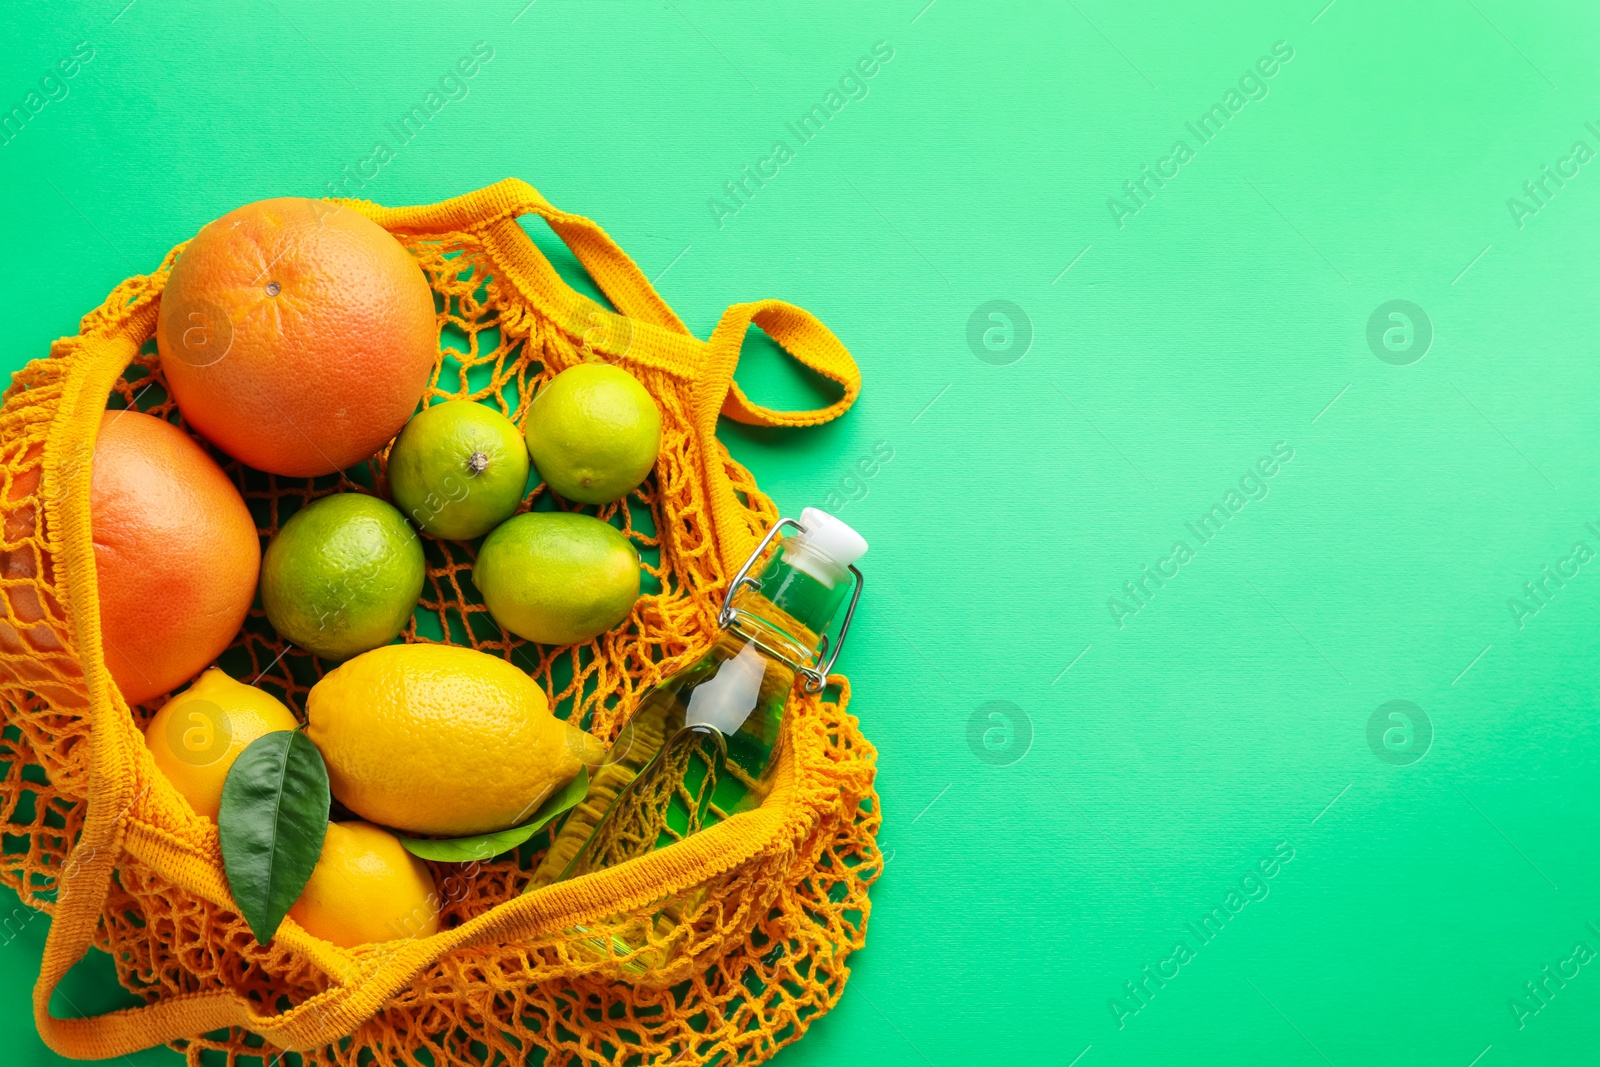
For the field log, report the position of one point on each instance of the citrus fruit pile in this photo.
(299, 338)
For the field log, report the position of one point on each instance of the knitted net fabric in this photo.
(759, 948)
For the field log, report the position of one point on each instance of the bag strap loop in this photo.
(803, 337)
(612, 269)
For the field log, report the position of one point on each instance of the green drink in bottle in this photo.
(702, 745)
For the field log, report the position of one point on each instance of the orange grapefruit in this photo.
(175, 550)
(297, 335)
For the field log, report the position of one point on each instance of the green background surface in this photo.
(1043, 850)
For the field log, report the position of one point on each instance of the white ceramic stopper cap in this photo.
(831, 537)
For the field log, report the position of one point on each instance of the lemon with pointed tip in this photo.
(439, 740)
(197, 735)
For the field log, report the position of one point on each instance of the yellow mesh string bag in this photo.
(767, 905)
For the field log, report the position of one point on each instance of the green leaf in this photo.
(274, 816)
(488, 846)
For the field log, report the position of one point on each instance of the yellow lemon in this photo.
(433, 739)
(197, 735)
(366, 888)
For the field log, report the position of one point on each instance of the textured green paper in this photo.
(1250, 701)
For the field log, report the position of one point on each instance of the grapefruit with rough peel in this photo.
(175, 551)
(297, 335)
(197, 735)
(441, 740)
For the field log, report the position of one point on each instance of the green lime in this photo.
(342, 576)
(458, 469)
(593, 432)
(557, 578)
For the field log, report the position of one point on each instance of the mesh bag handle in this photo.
(654, 335)
(494, 210)
(805, 338)
(800, 334)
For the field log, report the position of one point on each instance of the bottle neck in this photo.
(792, 606)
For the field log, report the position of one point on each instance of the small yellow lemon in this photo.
(366, 888)
(433, 739)
(197, 735)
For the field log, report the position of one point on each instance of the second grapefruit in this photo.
(175, 550)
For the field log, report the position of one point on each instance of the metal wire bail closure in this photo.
(815, 676)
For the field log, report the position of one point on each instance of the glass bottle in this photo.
(702, 744)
